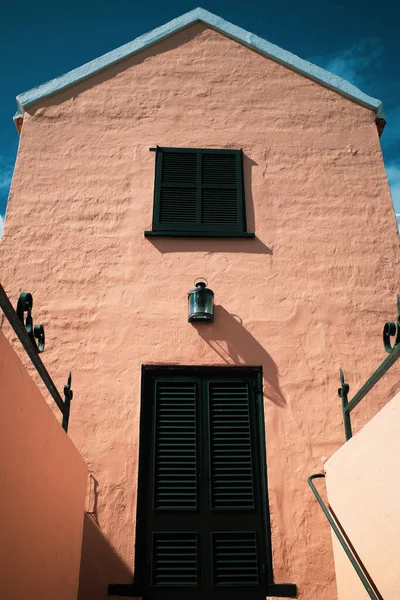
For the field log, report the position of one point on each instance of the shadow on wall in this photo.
(93, 498)
(100, 564)
(248, 165)
(210, 245)
(236, 345)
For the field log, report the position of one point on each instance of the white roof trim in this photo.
(327, 79)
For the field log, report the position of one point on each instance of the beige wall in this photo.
(363, 491)
(308, 295)
(43, 485)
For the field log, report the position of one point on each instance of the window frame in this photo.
(199, 229)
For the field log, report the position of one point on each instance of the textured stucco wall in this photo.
(363, 490)
(43, 486)
(308, 295)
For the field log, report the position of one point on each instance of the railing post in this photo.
(342, 393)
(68, 394)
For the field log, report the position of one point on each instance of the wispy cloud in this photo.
(393, 173)
(357, 64)
(6, 171)
(391, 133)
(360, 65)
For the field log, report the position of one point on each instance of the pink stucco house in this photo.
(201, 150)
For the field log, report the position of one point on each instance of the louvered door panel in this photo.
(235, 560)
(175, 454)
(175, 559)
(231, 459)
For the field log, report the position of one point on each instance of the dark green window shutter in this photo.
(199, 190)
(178, 182)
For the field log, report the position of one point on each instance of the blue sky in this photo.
(356, 39)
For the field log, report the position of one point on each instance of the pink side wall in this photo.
(43, 485)
(308, 295)
(363, 490)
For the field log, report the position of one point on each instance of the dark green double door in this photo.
(201, 504)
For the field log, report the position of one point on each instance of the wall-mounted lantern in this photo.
(201, 302)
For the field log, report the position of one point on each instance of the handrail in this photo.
(340, 537)
(390, 330)
(26, 336)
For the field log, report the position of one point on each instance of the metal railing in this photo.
(363, 577)
(33, 340)
(390, 330)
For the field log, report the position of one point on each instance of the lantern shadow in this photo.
(235, 345)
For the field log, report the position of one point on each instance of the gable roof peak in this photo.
(252, 41)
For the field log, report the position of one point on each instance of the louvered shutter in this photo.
(234, 495)
(177, 188)
(219, 194)
(231, 459)
(169, 549)
(175, 460)
(200, 518)
(175, 559)
(199, 190)
(235, 559)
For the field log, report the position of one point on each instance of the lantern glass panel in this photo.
(201, 303)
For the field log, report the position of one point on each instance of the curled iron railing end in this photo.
(35, 332)
(392, 330)
(27, 334)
